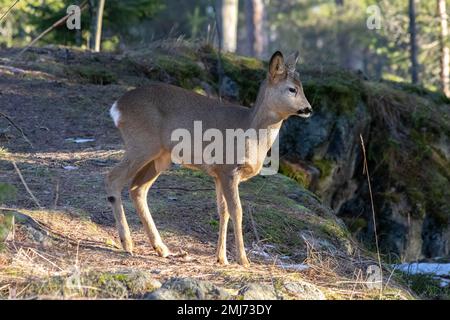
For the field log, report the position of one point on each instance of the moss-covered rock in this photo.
(91, 284)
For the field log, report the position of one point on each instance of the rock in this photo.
(304, 291)
(230, 88)
(256, 291)
(189, 289)
(409, 190)
(164, 294)
(141, 281)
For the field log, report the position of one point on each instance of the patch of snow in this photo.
(439, 269)
(70, 168)
(444, 282)
(262, 252)
(257, 251)
(294, 266)
(80, 140)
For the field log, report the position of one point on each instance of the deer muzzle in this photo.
(305, 112)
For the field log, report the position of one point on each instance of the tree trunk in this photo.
(413, 41)
(445, 51)
(92, 23)
(98, 30)
(343, 39)
(228, 20)
(254, 18)
(78, 34)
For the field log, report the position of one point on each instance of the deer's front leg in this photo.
(230, 189)
(222, 210)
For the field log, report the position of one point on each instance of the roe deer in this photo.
(146, 118)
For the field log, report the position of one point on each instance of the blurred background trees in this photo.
(411, 43)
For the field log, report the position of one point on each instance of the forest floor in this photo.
(66, 177)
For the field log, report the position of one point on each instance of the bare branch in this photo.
(26, 186)
(17, 127)
(9, 9)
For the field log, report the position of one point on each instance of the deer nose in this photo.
(305, 111)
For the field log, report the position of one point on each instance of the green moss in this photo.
(279, 228)
(340, 92)
(298, 175)
(6, 226)
(182, 69)
(325, 166)
(7, 192)
(248, 73)
(355, 224)
(214, 223)
(333, 229)
(92, 73)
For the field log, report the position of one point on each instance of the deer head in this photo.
(284, 95)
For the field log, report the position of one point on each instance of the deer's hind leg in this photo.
(140, 185)
(115, 181)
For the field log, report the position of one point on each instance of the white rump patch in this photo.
(115, 114)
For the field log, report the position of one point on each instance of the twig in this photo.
(255, 231)
(55, 203)
(17, 127)
(56, 24)
(366, 171)
(26, 186)
(9, 9)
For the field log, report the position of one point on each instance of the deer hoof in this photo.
(127, 246)
(244, 262)
(162, 251)
(223, 261)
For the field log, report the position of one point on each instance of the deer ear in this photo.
(292, 60)
(276, 65)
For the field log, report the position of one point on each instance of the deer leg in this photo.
(230, 188)
(115, 181)
(221, 253)
(138, 191)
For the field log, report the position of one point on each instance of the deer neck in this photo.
(262, 118)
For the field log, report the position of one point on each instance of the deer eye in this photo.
(293, 90)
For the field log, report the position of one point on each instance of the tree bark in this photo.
(445, 51)
(254, 18)
(98, 30)
(228, 20)
(413, 41)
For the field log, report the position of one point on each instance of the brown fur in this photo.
(148, 116)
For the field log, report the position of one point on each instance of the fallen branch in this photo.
(26, 186)
(17, 127)
(53, 26)
(8, 10)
